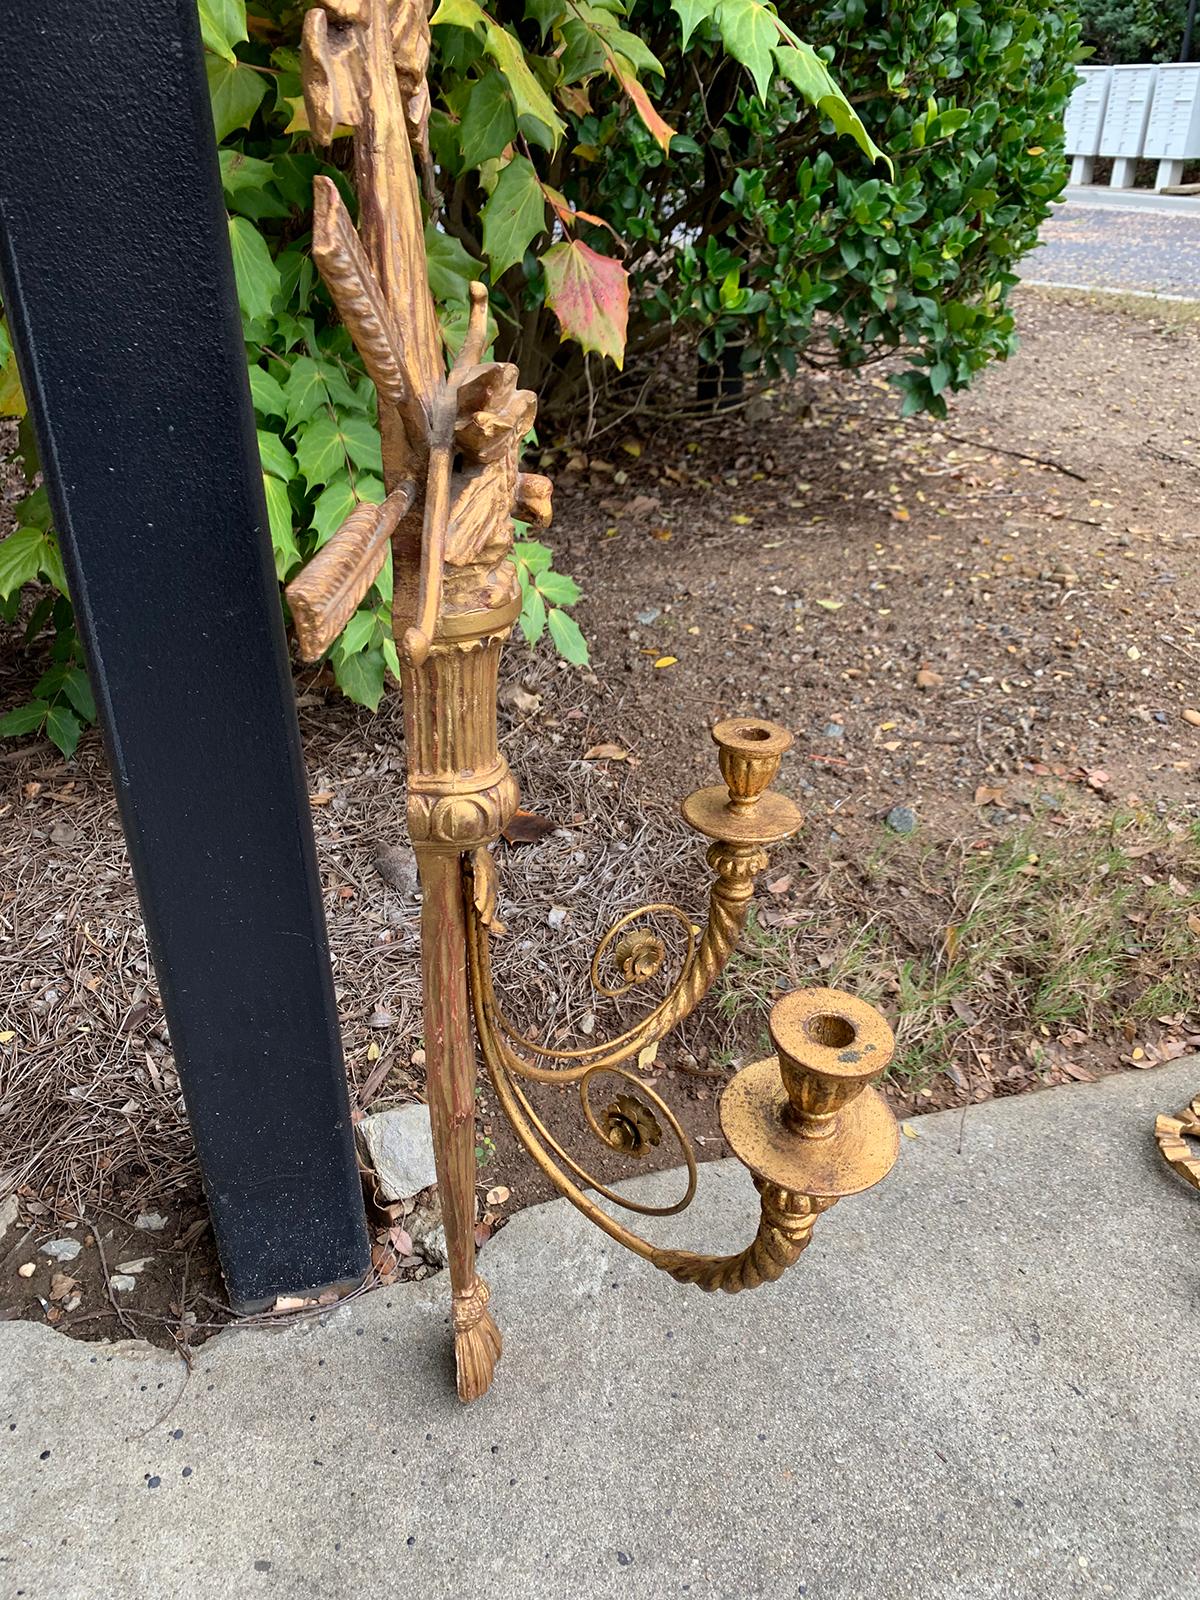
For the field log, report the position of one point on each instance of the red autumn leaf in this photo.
(662, 132)
(526, 827)
(589, 294)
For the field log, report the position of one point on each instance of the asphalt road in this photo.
(1109, 244)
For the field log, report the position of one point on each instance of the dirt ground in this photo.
(983, 635)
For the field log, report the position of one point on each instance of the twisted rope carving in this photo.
(735, 866)
(784, 1232)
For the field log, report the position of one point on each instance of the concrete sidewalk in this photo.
(980, 1382)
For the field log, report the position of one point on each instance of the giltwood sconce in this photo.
(805, 1122)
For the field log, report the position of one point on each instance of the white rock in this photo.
(399, 1146)
(122, 1282)
(425, 1229)
(62, 1249)
(150, 1221)
(8, 1214)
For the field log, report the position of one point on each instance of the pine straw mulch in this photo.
(804, 562)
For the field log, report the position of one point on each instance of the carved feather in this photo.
(327, 593)
(343, 264)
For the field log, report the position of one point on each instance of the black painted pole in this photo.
(119, 290)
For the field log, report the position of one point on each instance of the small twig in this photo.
(113, 1301)
(39, 747)
(1021, 455)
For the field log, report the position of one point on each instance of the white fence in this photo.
(1131, 113)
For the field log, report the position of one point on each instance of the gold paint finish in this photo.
(1172, 1134)
(804, 1122)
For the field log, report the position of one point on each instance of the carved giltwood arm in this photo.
(743, 817)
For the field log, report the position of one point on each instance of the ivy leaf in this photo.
(691, 14)
(12, 396)
(279, 516)
(533, 615)
(749, 32)
(361, 677)
(451, 269)
(20, 559)
(267, 393)
(234, 91)
(306, 390)
(530, 99)
(661, 130)
(545, 13)
(533, 555)
(334, 504)
(568, 640)
(275, 455)
(513, 216)
(327, 442)
(558, 588)
(78, 691)
(489, 124)
(357, 634)
(64, 728)
(362, 442)
(458, 14)
(52, 564)
(222, 25)
(806, 72)
(589, 294)
(321, 451)
(257, 275)
(23, 719)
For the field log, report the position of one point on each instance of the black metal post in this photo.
(1185, 52)
(118, 284)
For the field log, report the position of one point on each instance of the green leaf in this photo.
(589, 294)
(321, 451)
(558, 588)
(489, 123)
(257, 275)
(533, 615)
(222, 25)
(64, 728)
(533, 554)
(806, 72)
(388, 646)
(12, 396)
(362, 443)
(234, 91)
(240, 171)
(513, 216)
(52, 568)
(545, 13)
(529, 98)
(334, 504)
(326, 443)
(458, 14)
(306, 390)
(749, 32)
(692, 13)
(23, 719)
(360, 677)
(568, 640)
(279, 516)
(78, 691)
(451, 269)
(275, 455)
(358, 633)
(20, 559)
(267, 393)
